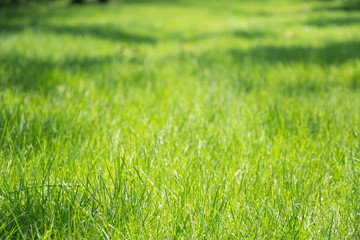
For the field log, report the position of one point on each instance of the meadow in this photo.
(180, 120)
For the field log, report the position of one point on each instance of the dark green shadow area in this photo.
(106, 32)
(253, 34)
(255, 64)
(11, 29)
(24, 130)
(43, 75)
(340, 8)
(208, 59)
(103, 32)
(326, 22)
(334, 53)
(26, 74)
(243, 34)
(268, 56)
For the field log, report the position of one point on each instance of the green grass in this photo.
(180, 120)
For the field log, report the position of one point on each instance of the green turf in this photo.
(182, 120)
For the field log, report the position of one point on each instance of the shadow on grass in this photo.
(28, 129)
(335, 53)
(253, 34)
(265, 57)
(346, 8)
(324, 22)
(11, 29)
(104, 32)
(107, 32)
(44, 75)
(111, 33)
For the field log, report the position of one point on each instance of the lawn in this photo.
(180, 120)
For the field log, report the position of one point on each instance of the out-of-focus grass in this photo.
(180, 120)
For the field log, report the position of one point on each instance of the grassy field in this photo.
(180, 120)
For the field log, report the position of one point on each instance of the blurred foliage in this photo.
(342, 4)
(6, 2)
(352, 3)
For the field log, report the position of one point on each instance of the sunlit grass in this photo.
(180, 120)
